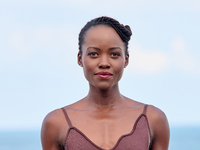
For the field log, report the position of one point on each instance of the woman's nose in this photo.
(104, 63)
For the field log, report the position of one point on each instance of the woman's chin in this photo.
(104, 87)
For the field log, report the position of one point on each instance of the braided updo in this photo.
(123, 31)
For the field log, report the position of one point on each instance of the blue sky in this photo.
(39, 45)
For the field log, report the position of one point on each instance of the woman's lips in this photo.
(104, 75)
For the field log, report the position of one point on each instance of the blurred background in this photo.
(39, 71)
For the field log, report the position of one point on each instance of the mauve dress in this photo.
(138, 139)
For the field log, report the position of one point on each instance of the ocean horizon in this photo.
(182, 138)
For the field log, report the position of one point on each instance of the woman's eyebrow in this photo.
(112, 48)
(94, 48)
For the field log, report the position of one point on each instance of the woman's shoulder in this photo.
(158, 124)
(78, 105)
(157, 119)
(132, 102)
(54, 128)
(55, 114)
(155, 115)
(53, 119)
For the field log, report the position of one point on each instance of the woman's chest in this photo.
(106, 137)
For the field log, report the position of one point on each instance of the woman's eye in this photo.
(115, 54)
(93, 54)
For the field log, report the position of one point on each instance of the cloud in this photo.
(190, 5)
(105, 5)
(147, 61)
(155, 61)
(181, 58)
(17, 43)
(57, 43)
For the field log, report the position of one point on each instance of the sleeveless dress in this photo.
(138, 139)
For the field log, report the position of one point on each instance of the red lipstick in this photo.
(104, 75)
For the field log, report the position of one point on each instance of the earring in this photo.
(125, 65)
(80, 65)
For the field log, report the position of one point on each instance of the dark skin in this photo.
(104, 111)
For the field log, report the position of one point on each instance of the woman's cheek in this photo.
(88, 65)
(119, 70)
(88, 68)
(119, 66)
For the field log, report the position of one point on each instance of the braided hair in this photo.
(123, 31)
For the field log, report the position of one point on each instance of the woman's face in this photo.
(103, 57)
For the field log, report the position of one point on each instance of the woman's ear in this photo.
(126, 60)
(79, 60)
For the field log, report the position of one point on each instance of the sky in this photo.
(38, 57)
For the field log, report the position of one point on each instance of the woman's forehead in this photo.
(102, 32)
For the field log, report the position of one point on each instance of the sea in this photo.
(182, 138)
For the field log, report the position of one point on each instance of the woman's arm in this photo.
(50, 132)
(159, 128)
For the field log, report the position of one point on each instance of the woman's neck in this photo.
(104, 98)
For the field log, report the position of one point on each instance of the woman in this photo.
(105, 119)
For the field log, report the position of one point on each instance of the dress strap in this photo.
(145, 109)
(67, 117)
